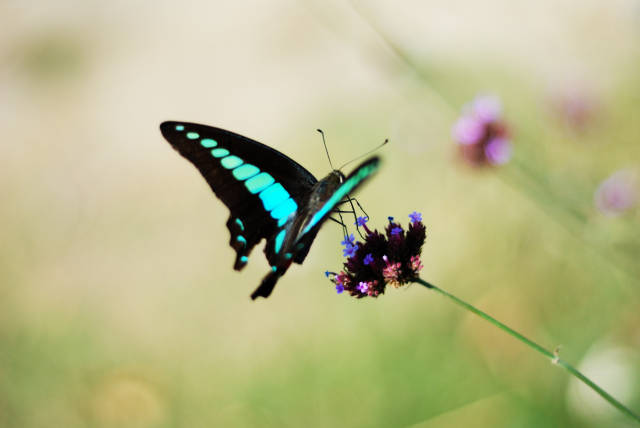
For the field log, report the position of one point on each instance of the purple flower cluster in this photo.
(481, 133)
(392, 258)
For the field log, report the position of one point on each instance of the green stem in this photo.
(553, 357)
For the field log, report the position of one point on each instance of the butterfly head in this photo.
(339, 175)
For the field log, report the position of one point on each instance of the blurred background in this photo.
(118, 302)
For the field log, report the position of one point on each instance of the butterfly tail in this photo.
(266, 286)
(269, 282)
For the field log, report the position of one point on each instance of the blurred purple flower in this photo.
(617, 194)
(487, 108)
(481, 134)
(468, 130)
(339, 288)
(368, 259)
(498, 151)
(576, 105)
(415, 217)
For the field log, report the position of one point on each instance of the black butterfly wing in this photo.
(262, 188)
(310, 226)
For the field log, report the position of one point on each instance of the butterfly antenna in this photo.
(365, 154)
(325, 147)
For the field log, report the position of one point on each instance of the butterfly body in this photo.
(270, 196)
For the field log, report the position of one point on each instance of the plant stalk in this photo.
(553, 357)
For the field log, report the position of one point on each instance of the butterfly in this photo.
(270, 196)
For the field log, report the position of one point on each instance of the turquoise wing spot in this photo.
(231, 162)
(273, 268)
(241, 239)
(285, 209)
(244, 259)
(208, 143)
(219, 153)
(273, 196)
(179, 127)
(259, 182)
(240, 224)
(280, 240)
(245, 171)
(193, 135)
(340, 193)
(288, 256)
(282, 221)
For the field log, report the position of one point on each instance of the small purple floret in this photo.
(363, 287)
(348, 240)
(368, 259)
(339, 288)
(487, 108)
(361, 221)
(498, 151)
(415, 217)
(396, 231)
(350, 251)
(468, 130)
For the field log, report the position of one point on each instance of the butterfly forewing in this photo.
(262, 188)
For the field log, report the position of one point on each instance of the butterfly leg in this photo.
(353, 211)
(336, 221)
(340, 212)
(345, 230)
(341, 223)
(361, 209)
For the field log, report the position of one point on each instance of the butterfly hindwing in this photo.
(331, 194)
(263, 188)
